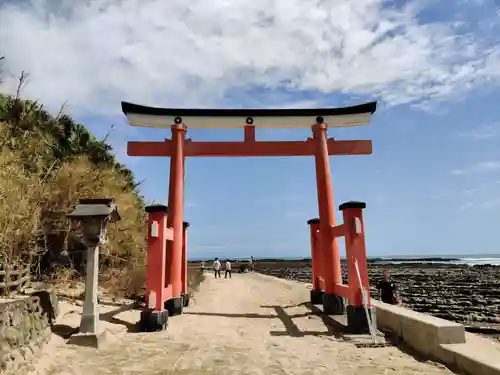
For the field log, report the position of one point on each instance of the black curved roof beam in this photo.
(139, 115)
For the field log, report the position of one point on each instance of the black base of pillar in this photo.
(333, 304)
(185, 299)
(317, 297)
(153, 321)
(174, 306)
(356, 319)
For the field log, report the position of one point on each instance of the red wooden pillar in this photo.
(356, 253)
(174, 219)
(316, 262)
(156, 293)
(332, 303)
(184, 257)
(315, 252)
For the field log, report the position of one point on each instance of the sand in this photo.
(251, 324)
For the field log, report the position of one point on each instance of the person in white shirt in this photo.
(216, 267)
(228, 269)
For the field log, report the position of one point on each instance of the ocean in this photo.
(469, 259)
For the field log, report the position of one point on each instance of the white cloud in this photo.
(480, 167)
(469, 192)
(483, 195)
(491, 203)
(441, 195)
(178, 53)
(465, 206)
(483, 132)
(484, 204)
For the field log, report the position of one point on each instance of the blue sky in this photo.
(432, 185)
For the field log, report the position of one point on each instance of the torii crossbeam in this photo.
(319, 146)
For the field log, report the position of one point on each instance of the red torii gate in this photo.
(167, 266)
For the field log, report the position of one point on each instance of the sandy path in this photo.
(252, 324)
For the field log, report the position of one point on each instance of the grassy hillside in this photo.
(47, 163)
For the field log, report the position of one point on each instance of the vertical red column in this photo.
(313, 232)
(174, 219)
(356, 250)
(359, 308)
(168, 261)
(316, 262)
(332, 304)
(156, 259)
(184, 264)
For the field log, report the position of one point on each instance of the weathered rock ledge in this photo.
(25, 327)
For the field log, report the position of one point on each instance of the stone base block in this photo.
(92, 340)
(48, 299)
(317, 297)
(356, 319)
(106, 334)
(174, 306)
(333, 304)
(153, 321)
(89, 323)
(185, 299)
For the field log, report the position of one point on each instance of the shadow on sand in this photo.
(291, 329)
(110, 317)
(65, 331)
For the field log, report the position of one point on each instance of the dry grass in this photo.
(20, 211)
(38, 187)
(194, 279)
(80, 179)
(42, 178)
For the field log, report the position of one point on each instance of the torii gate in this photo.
(166, 282)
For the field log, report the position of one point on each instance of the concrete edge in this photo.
(440, 340)
(471, 359)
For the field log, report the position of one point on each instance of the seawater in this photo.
(469, 259)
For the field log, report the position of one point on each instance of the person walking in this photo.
(202, 267)
(216, 267)
(387, 290)
(251, 264)
(228, 269)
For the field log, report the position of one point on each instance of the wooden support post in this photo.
(249, 133)
(333, 303)
(316, 263)
(360, 313)
(184, 258)
(355, 251)
(156, 291)
(175, 206)
(333, 272)
(315, 253)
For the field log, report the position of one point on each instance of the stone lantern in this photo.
(92, 216)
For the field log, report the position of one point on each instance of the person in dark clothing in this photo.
(387, 290)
